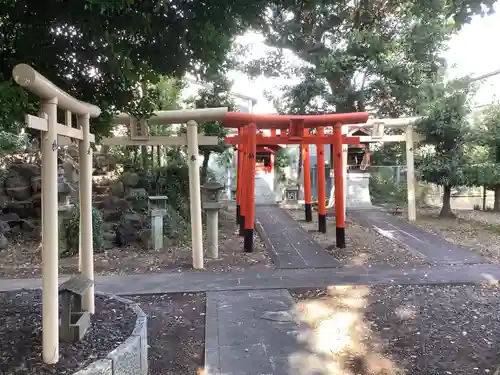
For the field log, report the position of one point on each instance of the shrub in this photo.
(73, 230)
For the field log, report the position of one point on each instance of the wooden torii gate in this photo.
(297, 129)
(409, 136)
(139, 136)
(52, 97)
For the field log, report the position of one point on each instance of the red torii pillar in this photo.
(238, 180)
(306, 171)
(339, 187)
(321, 190)
(250, 196)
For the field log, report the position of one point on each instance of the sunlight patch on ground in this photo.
(339, 340)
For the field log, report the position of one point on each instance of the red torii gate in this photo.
(296, 132)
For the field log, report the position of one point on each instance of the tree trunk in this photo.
(158, 155)
(496, 203)
(446, 209)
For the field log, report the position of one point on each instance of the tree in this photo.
(218, 95)
(485, 156)
(445, 127)
(100, 50)
(358, 55)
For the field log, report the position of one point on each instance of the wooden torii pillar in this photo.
(139, 136)
(378, 127)
(52, 97)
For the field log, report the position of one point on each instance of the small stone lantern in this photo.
(291, 196)
(157, 206)
(211, 193)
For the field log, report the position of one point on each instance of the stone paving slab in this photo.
(250, 333)
(263, 193)
(433, 248)
(286, 278)
(289, 245)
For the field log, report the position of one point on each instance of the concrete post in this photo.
(410, 174)
(157, 228)
(50, 237)
(212, 205)
(212, 233)
(195, 194)
(86, 237)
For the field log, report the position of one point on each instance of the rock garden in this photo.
(121, 223)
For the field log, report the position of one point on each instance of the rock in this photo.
(19, 193)
(108, 227)
(129, 228)
(117, 189)
(27, 171)
(145, 236)
(109, 236)
(3, 242)
(138, 193)
(130, 179)
(104, 161)
(23, 209)
(36, 183)
(106, 245)
(4, 227)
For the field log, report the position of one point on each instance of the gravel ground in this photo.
(364, 247)
(480, 231)
(176, 332)
(389, 330)
(21, 335)
(22, 259)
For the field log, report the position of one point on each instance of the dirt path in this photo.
(480, 231)
(396, 330)
(176, 332)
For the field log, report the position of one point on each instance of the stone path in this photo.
(249, 333)
(279, 279)
(289, 245)
(263, 192)
(432, 247)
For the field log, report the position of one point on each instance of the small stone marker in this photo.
(74, 321)
(211, 204)
(157, 209)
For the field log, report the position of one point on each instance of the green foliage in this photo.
(172, 181)
(355, 55)
(384, 189)
(73, 230)
(484, 152)
(445, 127)
(100, 51)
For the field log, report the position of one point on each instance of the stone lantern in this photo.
(211, 192)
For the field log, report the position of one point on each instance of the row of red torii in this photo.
(53, 98)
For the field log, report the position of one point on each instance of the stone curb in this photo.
(271, 251)
(129, 358)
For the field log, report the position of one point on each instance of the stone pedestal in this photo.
(157, 227)
(291, 199)
(212, 211)
(157, 206)
(358, 191)
(211, 204)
